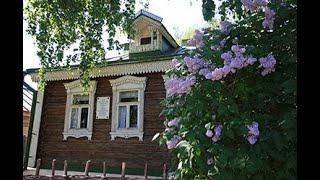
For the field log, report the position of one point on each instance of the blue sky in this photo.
(175, 13)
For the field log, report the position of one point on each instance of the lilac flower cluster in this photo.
(173, 142)
(215, 134)
(178, 86)
(196, 40)
(268, 64)
(253, 132)
(174, 122)
(233, 60)
(194, 64)
(225, 27)
(253, 5)
(269, 18)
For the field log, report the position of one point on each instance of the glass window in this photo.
(129, 96)
(80, 99)
(122, 116)
(146, 40)
(133, 115)
(84, 117)
(74, 118)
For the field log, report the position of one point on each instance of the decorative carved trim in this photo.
(111, 70)
(123, 84)
(75, 88)
(77, 134)
(126, 135)
(128, 79)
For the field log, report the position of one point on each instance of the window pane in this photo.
(122, 117)
(84, 117)
(74, 118)
(80, 99)
(146, 40)
(133, 115)
(129, 96)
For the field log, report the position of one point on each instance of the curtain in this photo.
(122, 116)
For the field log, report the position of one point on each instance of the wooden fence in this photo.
(86, 175)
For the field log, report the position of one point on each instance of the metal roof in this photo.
(148, 14)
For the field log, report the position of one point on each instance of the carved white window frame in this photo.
(127, 83)
(74, 88)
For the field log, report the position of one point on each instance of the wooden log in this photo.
(65, 168)
(145, 171)
(53, 167)
(123, 171)
(164, 171)
(38, 167)
(86, 171)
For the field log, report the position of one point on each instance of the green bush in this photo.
(236, 101)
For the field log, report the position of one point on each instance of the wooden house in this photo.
(117, 120)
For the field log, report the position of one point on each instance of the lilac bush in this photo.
(235, 96)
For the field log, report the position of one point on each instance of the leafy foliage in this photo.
(237, 100)
(77, 26)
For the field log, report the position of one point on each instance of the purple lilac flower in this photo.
(175, 62)
(269, 18)
(196, 40)
(204, 71)
(210, 161)
(222, 43)
(209, 133)
(226, 57)
(173, 142)
(254, 5)
(173, 122)
(268, 64)
(252, 139)
(251, 60)
(254, 129)
(194, 64)
(217, 133)
(225, 27)
(253, 132)
(217, 130)
(178, 86)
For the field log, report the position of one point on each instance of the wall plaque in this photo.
(103, 104)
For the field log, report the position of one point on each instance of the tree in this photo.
(231, 106)
(59, 26)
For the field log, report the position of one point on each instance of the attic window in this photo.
(146, 40)
(154, 35)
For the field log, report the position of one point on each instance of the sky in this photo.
(175, 13)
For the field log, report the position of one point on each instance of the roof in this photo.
(149, 15)
(124, 59)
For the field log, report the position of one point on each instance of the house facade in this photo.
(118, 118)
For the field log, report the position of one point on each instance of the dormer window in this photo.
(154, 35)
(146, 40)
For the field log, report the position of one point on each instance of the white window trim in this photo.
(127, 83)
(74, 88)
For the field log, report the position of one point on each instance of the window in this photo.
(127, 107)
(79, 111)
(154, 35)
(146, 40)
